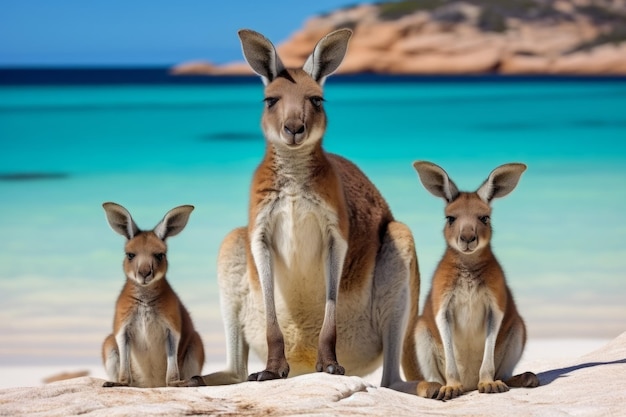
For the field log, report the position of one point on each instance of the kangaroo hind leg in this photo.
(396, 279)
(508, 354)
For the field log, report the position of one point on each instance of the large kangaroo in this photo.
(322, 278)
(470, 334)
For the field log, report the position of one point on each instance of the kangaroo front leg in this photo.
(172, 373)
(123, 345)
(277, 366)
(326, 353)
(453, 387)
(486, 384)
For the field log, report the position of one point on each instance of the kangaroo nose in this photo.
(467, 238)
(145, 271)
(294, 129)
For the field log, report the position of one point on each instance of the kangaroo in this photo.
(470, 335)
(322, 277)
(153, 343)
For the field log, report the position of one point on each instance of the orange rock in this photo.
(472, 62)
(194, 68)
(604, 60)
(376, 36)
(524, 64)
(420, 43)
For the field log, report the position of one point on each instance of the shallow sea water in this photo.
(560, 235)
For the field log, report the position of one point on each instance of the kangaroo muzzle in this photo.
(144, 273)
(294, 132)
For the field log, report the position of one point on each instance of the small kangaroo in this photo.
(154, 343)
(470, 334)
(322, 277)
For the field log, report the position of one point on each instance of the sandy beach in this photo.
(589, 384)
(537, 352)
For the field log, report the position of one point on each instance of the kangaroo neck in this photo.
(299, 164)
(148, 295)
(472, 264)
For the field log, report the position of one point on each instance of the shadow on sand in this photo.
(548, 377)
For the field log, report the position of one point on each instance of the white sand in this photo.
(537, 352)
(588, 385)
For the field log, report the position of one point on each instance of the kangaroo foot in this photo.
(275, 369)
(427, 389)
(194, 381)
(525, 380)
(109, 384)
(330, 367)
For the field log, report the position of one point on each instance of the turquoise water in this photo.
(560, 235)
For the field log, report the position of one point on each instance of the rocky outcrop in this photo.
(466, 37)
(591, 385)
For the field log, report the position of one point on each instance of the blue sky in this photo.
(141, 32)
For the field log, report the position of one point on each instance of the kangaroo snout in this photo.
(294, 132)
(144, 269)
(145, 261)
(468, 240)
(144, 273)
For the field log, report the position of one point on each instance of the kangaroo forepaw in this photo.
(492, 387)
(448, 392)
(109, 384)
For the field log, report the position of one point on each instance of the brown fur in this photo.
(469, 292)
(361, 211)
(149, 316)
(322, 267)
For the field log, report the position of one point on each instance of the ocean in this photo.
(71, 140)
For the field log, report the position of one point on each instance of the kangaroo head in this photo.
(468, 214)
(294, 112)
(145, 261)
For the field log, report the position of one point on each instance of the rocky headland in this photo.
(577, 37)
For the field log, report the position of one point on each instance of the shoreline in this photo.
(44, 76)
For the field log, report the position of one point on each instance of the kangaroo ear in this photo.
(174, 222)
(436, 180)
(501, 181)
(260, 55)
(120, 220)
(327, 55)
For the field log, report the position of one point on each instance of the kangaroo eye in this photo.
(130, 256)
(484, 219)
(316, 101)
(270, 101)
(450, 219)
(159, 256)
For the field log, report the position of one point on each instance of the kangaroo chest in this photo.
(300, 222)
(146, 327)
(469, 305)
(147, 333)
(469, 310)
